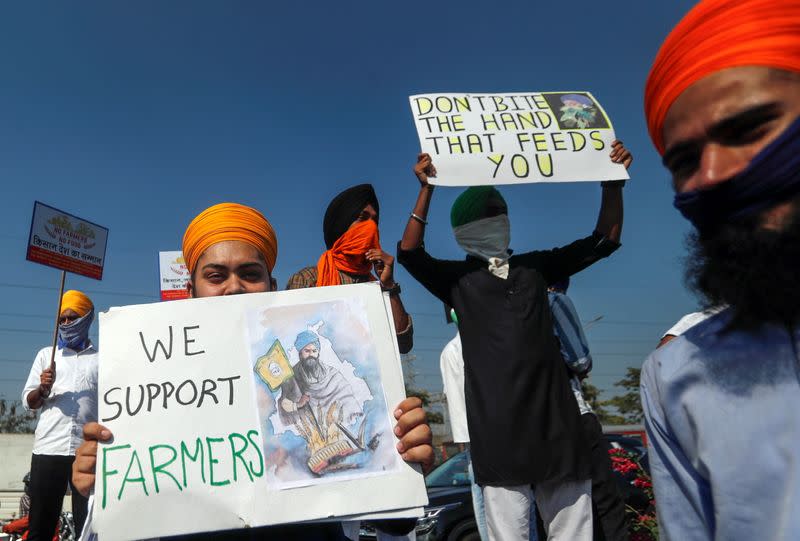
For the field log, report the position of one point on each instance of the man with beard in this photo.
(316, 385)
(723, 108)
(231, 249)
(63, 388)
(523, 422)
(353, 251)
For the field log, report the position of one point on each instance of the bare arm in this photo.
(415, 228)
(609, 221)
(35, 399)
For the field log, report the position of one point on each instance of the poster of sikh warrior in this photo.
(320, 403)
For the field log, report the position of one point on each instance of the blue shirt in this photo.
(724, 434)
(567, 327)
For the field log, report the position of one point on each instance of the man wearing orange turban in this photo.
(723, 109)
(65, 393)
(231, 249)
(350, 228)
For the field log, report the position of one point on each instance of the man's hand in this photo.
(620, 154)
(384, 266)
(46, 380)
(288, 406)
(414, 433)
(83, 469)
(424, 168)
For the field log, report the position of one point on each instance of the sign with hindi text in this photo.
(250, 410)
(59, 239)
(173, 275)
(513, 138)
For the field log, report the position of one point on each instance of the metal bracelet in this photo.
(420, 219)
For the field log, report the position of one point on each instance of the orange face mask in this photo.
(347, 254)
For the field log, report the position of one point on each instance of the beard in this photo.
(750, 269)
(312, 366)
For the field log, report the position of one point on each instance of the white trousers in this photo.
(565, 508)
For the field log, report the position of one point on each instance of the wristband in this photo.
(394, 290)
(420, 219)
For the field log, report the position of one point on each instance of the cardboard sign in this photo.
(250, 410)
(173, 275)
(59, 239)
(514, 138)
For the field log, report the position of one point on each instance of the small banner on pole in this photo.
(173, 275)
(64, 241)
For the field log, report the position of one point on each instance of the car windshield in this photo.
(453, 472)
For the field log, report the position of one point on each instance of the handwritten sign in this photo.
(513, 138)
(59, 239)
(250, 410)
(173, 275)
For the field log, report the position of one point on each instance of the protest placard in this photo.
(173, 276)
(59, 239)
(513, 138)
(250, 410)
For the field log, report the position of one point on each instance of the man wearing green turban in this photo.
(524, 424)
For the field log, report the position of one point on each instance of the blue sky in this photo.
(138, 115)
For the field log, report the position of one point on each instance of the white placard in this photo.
(515, 138)
(191, 392)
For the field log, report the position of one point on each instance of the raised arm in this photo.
(414, 233)
(609, 221)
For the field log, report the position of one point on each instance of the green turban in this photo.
(471, 204)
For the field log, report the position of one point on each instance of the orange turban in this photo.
(715, 35)
(76, 301)
(229, 221)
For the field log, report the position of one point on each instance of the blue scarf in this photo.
(75, 335)
(772, 177)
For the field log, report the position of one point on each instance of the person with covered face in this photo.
(353, 252)
(231, 249)
(523, 422)
(723, 109)
(65, 394)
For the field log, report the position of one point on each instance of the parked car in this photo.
(449, 515)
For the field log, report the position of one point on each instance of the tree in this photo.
(433, 417)
(628, 404)
(13, 422)
(592, 395)
(422, 394)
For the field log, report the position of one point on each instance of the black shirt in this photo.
(523, 420)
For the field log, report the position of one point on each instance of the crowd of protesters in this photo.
(722, 105)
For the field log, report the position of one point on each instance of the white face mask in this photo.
(487, 239)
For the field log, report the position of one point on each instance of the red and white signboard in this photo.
(173, 276)
(59, 239)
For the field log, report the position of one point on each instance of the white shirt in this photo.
(451, 364)
(690, 320)
(72, 401)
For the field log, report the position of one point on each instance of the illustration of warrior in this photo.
(320, 403)
(578, 111)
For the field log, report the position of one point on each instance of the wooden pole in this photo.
(58, 316)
